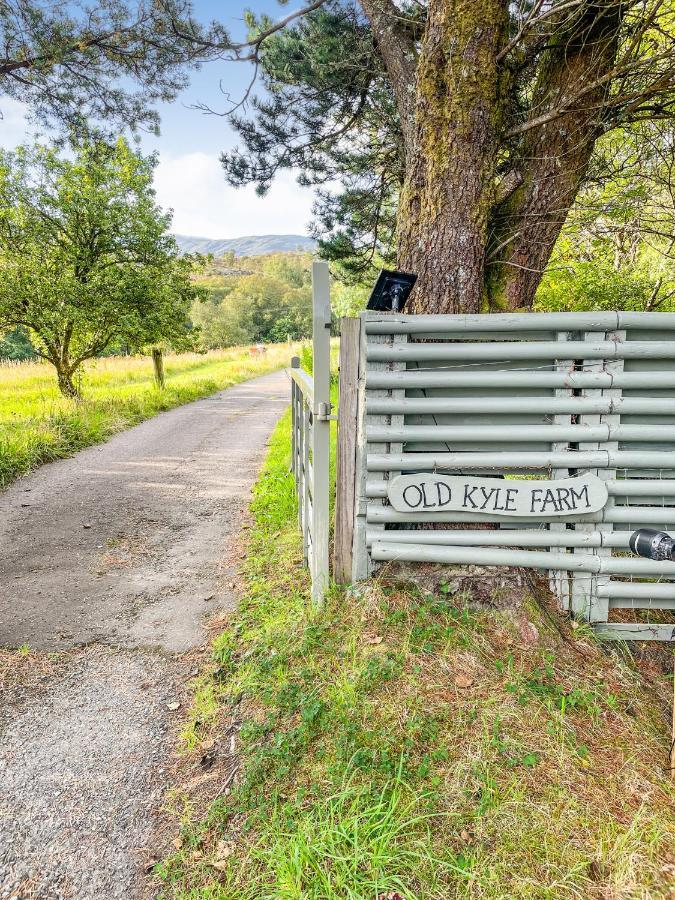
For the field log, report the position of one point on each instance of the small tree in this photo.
(85, 257)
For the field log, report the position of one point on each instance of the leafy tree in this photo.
(85, 256)
(219, 324)
(462, 131)
(272, 304)
(108, 62)
(16, 345)
(617, 249)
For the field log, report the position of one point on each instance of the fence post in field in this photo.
(158, 365)
(320, 434)
(345, 481)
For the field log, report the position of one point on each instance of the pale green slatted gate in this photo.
(549, 396)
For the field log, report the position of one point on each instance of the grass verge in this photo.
(398, 744)
(37, 424)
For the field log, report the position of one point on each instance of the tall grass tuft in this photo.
(359, 842)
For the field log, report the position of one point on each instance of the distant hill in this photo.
(255, 245)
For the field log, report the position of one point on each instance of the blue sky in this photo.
(189, 179)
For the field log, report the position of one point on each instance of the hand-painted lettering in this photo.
(504, 497)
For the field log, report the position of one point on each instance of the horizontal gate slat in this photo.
(525, 350)
(644, 406)
(521, 433)
(634, 631)
(569, 562)
(460, 324)
(642, 603)
(510, 537)
(539, 379)
(594, 459)
(633, 590)
(626, 515)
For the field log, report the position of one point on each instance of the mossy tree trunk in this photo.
(553, 158)
(487, 189)
(65, 380)
(58, 353)
(452, 154)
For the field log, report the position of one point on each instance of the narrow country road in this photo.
(121, 551)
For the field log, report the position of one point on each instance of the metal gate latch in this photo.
(324, 414)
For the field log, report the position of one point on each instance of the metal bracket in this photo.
(323, 413)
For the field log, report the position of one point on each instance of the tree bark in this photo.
(445, 204)
(554, 157)
(398, 53)
(65, 380)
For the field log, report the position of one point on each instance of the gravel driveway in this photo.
(121, 551)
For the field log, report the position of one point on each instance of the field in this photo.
(37, 424)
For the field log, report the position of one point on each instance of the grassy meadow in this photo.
(38, 424)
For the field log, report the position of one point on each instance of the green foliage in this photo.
(266, 298)
(349, 299)
(85, 256)
(616, 249)
(359, 842)
(105, 64)
(586, 285)
(271, 304)
(16, 346)
(329, 112)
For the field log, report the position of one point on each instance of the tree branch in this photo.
(399, 54)
(253, 44)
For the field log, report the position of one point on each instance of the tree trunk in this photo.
(446, 200)
(555, 156)
(66, 385)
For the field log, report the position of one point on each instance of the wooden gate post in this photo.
(345, 481)
(158, 366)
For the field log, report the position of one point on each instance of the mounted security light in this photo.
(651, 544)
(391, 291)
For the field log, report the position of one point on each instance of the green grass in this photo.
(37, 424)
(397, 743)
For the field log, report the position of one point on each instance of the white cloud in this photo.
(205, 206)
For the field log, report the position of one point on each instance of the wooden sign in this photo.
(429, 493)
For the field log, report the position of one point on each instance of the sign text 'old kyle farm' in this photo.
(429, 492)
